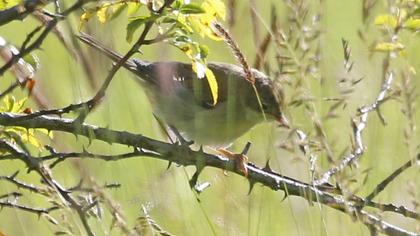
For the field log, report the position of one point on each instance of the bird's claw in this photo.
(240, 158)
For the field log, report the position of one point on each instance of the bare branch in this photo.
(358, 131)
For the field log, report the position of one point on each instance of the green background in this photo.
(225, 207)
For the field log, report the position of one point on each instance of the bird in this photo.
(182, 100)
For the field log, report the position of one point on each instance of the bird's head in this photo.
(271, 97)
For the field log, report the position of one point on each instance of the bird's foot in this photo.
(240, 158)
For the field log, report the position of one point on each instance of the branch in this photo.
(34, 164)
(20, 11)
(37, 43)
(359, 149)
(183, 155)
(381, 186)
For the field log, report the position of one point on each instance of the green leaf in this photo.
(204, 51)
(191, 9)
(10, 103)
(135, 23)
(33, 61)
(416, 12)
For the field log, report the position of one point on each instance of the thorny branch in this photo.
(143, 146)
(183, 155)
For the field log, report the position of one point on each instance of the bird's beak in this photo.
(283, 122)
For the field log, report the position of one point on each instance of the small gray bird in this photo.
(185, 102)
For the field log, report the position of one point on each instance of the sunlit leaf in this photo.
(214, 88)
(9, 102)
(203, 28)
(386, 46)
(117, 9)
(413, 24)
(85, 17)
(133, 7)
(386, 20)
(18, 106)
(204, 51)
(102, 13)
(4, 4)
(215, 7)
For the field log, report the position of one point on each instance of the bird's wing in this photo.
(173, 74)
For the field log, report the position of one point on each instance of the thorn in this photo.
(284, 197)
(50, 149)
(169, 165)
(246, 148)
(267, 167)
(251, 186)
(14, 175)
(194, 178)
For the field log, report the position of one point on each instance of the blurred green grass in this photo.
(231, 211)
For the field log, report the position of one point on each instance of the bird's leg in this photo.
(240, 158)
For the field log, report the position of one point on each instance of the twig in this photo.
(21, 10)
(358, 131)
(34, 164)
(381, 186)
(37, 43)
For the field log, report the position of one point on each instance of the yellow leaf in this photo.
(211, 79)
(116, 7)
(8, 4)
(102, 12)
(413, 24)
(18, 106)
(386, 20)
(215, 8)
(412, 70)
(386, 47)
(30, 138)
(133, 7)
(203, 27)
(85, 17)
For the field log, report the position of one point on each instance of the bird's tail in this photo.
(114, 56)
